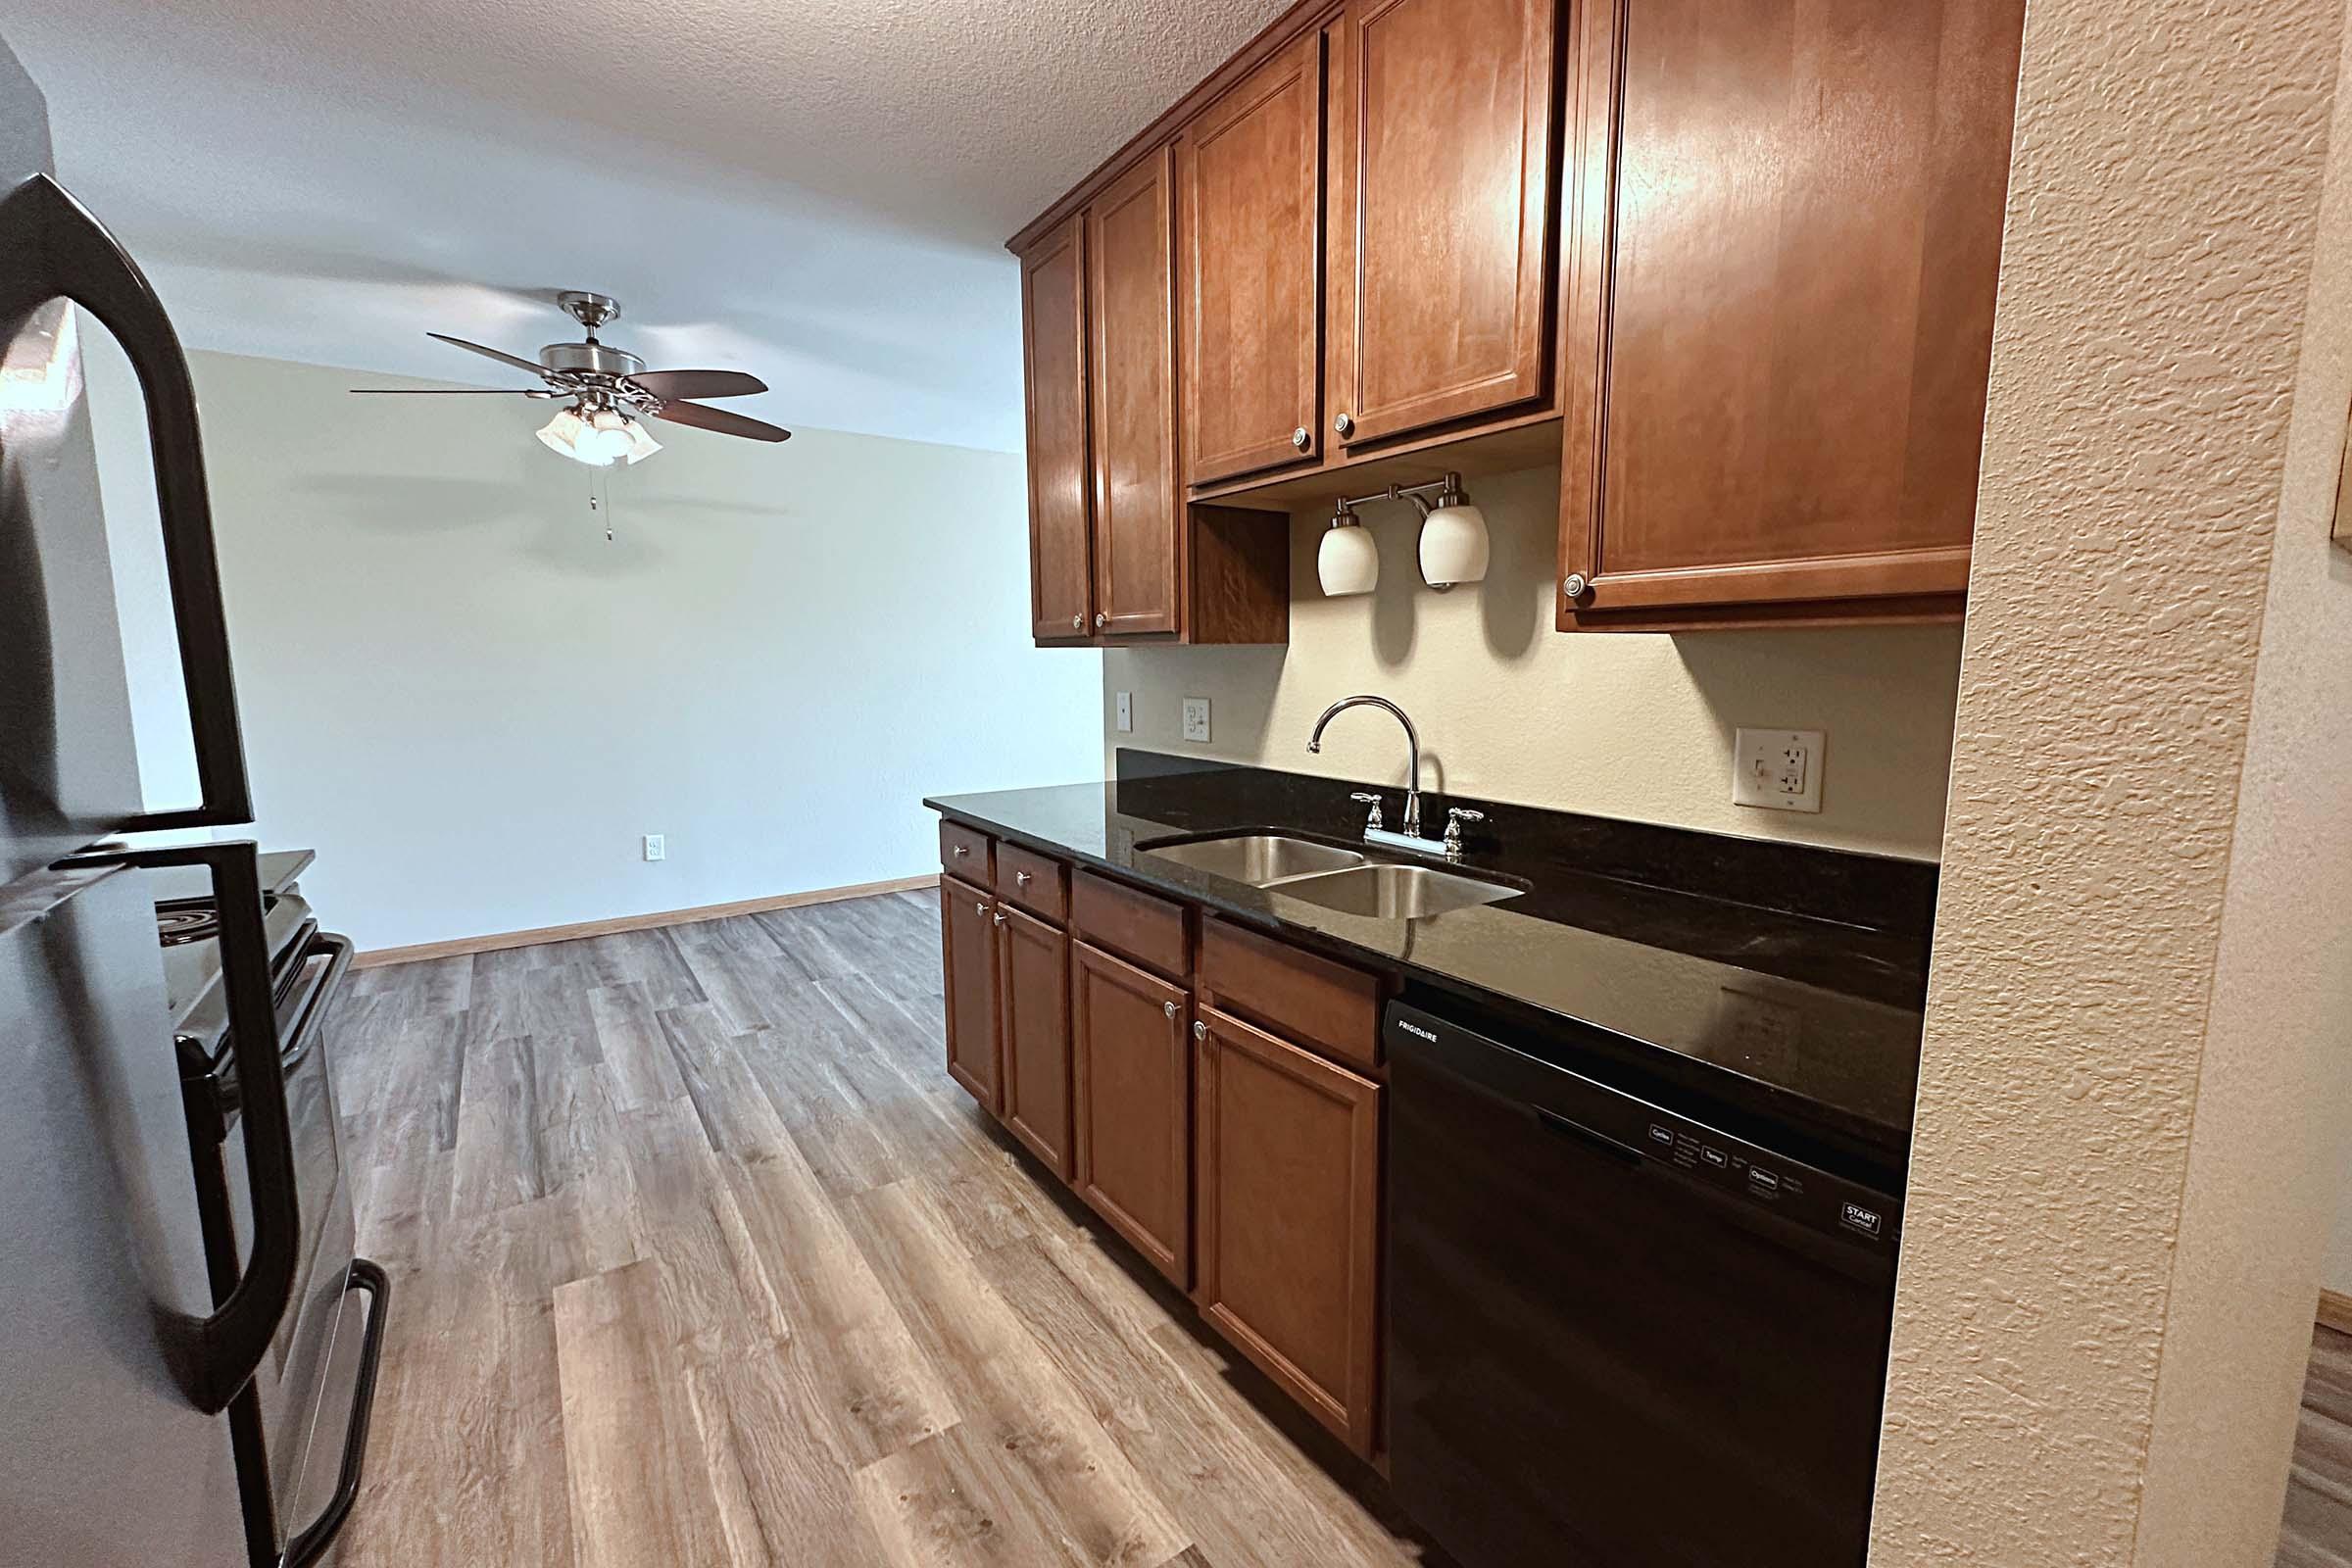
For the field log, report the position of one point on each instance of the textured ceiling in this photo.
(815, 191)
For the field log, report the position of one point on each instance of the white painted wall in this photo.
(472, 705)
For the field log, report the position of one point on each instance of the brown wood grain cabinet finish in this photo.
(1250, 184)
(1133, 1081)
(1302, 995)
(1054, 336)
(965, 852)
(1035, 882)
(1130, 922)
(968, 938)
(1287, 1215)
(1034, 992)
(1131, 307)
(1442, 209)
(1785, 244)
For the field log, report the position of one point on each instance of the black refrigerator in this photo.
(187, 1344)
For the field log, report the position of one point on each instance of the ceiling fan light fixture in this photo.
(569, 434)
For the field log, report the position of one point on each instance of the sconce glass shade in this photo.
(1347, 561)
(1454, 546)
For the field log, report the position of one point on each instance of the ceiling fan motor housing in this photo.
(591, 359)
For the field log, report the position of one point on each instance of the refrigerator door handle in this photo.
(51, 248)
(214, 1357)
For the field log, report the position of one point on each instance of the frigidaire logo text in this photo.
(1430, 1035)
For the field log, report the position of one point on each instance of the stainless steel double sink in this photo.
(1343, 880)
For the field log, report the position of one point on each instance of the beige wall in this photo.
(2124, 1139)
(1626, 725)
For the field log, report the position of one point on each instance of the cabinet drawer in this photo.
(964, 851)
(1321, 1004)
(1129, 921)
(1032, 881)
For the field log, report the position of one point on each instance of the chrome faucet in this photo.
(1410, 838)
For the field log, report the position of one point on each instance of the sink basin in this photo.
(1259, 860)
(1395, 892)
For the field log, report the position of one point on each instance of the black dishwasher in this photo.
(1617, 1335)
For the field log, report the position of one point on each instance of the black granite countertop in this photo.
(1657, 951)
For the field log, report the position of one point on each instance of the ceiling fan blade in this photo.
(722, 421)
(454, 391)
(670, 385)
(499, 355)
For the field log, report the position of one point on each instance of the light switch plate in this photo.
(656, 847)
(1779, 769)
(1196, 719)
(1126, 713)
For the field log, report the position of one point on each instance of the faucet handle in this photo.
(1456, 816)
(1373, 820)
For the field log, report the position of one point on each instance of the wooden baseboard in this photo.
(460, 946)
(2335, 1311)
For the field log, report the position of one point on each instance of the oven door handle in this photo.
(212, 1358)
(51, 248)
(312, 1009)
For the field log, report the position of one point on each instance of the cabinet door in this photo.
(1441, 202)
(1288, 1214)
(1131, 306)
(1784, 356)
(1034, 992)
(968, 927)
(1250, 178)
(1053, 362)
(1134, 1086)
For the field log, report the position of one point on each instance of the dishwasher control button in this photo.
(1866, 1220)
(1715, 1157)
(1762, 1180)
(1661, 1135)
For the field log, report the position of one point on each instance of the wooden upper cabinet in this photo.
(1033, 997)
(1131, 306)
(1133, 1105)
(1443, 201)
(1788, 229)
(1250, 184)
(968, 932)
(1060, 485)
(1289, 1217)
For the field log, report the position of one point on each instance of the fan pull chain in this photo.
(599, 499)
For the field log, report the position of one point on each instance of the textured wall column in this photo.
(2078, 1332)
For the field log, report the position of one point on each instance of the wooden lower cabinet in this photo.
(1287, 1213)
(1033, 985)
(968, 930)
(1133, 1081)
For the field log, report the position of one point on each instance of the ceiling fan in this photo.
(610, 392)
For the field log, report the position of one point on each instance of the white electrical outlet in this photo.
(1196, 719)
(1126, 713)
(1779, 769)
(655, 848)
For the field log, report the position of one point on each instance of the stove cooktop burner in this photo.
(177, 924)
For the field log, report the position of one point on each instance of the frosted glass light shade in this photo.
(1347, 561)
(1454, 546)
(570, 435)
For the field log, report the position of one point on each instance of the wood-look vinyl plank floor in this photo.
(2316, 1531)
(699, 1258)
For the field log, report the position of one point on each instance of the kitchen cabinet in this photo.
(1250, 182)
(968, 933)
(1287, 1164)
(1786, 232)
(1053, 371)
(1130, 294)
(1443, 204)
(1133, 1082)
(1033, 997)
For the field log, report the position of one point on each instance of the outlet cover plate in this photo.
(1126, 713)
(1196, 719)
(1778, 770)
(657, 847)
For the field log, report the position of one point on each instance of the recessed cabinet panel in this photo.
(1060, 485)
(1131, 262)
(1807, 209)
(1250, 178)
(1034, 983)
(1443, 198)
(1134, 1086)
(968, 929)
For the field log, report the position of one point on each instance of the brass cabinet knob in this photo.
(1169, 1008)
(1200, 1030)
(1575, 585)
(1344, 424)
(1300, 437)
(1077, 623)
(1101, 621)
